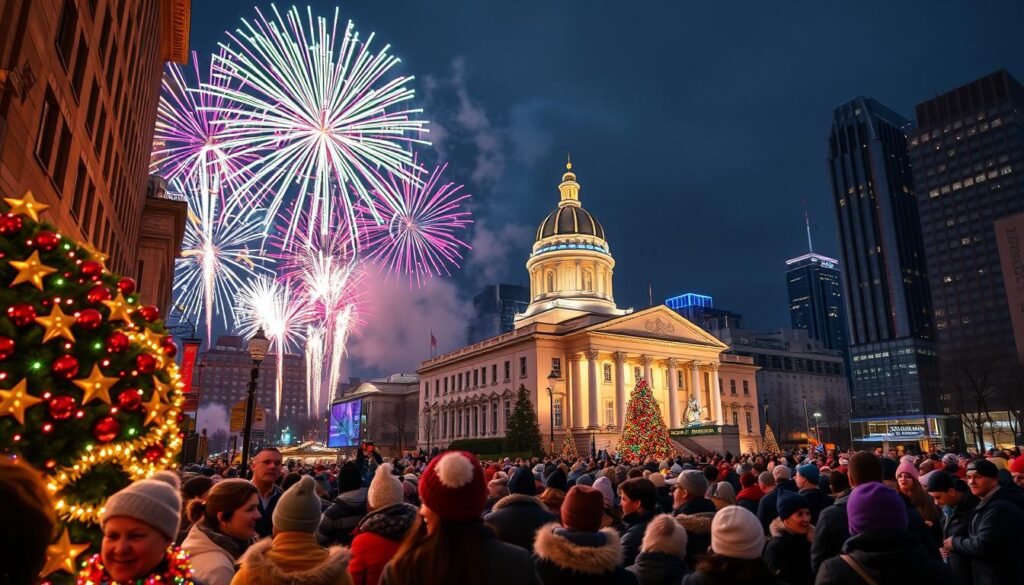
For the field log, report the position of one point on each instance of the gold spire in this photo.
(569, 188)
(568, 161)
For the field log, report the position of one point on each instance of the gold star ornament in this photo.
(27, 205)
(155, 408)
(57, 324)
(94, 254)
(15, 401)
(120, 310)
(32, 270)
(96, 386)
(61, 555)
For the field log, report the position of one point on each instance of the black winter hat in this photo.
(940, 481)
(557, 480)
(521, 481)
(349, 478)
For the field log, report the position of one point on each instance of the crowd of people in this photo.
(797, 518)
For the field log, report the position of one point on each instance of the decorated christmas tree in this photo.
(88, 385)
(770, 445)
(523, 431)
(644, 435)
(568, 450)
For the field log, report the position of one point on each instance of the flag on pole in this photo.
(433, 344)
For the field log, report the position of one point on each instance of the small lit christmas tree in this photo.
(523, 431)
(644, 435)
(568, 450)
(88, 386)
(770, 444)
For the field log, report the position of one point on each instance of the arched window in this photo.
(550, 282)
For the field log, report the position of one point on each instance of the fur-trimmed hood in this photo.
(518, 500)
(696, 523)
(556, 544)
(261, 569)
(777, 529)
(665, 535)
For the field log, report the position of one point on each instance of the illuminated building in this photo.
(390, 406)
(573, 338)
(80, 83)
(816, 299)
(701, 311)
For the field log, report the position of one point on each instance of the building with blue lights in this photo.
(816, 299)
(700, 310)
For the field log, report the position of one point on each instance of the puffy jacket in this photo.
(516, 518)
(588, 558)
(292, 558)
(213, 563)
(661, 560)
(749, 498)
(993, 543)
(959, 524)
(698, 534)
(633, 538)
(376, 541)
(789, 555)
(341, 519)
(818, 500)
(766, 508)
(830, 532)
(890, 557)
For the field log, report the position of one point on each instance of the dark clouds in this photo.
(697, 128)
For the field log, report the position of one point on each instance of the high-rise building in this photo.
(967, 152)
(894, 371)
(815, 296)
(495, 309)
(700, 310)
(79, 86)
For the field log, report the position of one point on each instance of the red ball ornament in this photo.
(149, 312)
(98, 294)
(170, 348)
(154, 452)
(47, 241)
(10, 225)
(62, 407)
(126, 286)
(89, 319)
(65, 366)
(6, 347)
(145, 363)
(117, 342)
(129, 399)
(91, 269)
(106, 429)
(22, 315)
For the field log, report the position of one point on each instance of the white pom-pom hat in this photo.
(453, 486)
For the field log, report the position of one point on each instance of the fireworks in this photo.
(418, 235)
(319, 110)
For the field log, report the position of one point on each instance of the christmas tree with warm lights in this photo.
(522, 434)
(770, 444)
(644, 434)
(89, 392)
(568, 450)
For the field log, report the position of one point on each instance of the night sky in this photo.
(696, 130)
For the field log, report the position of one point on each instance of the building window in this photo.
(557, 413)
(66, 32)
(494, 374)
(483, 419)
(426, 391)
(607, 373)
(466, 414)
(444, 424)
(522, 367)
(508, 410)
(680, 382)
(460, 381)
(746, 388)
(732, 387)
(446, 384)
(508, 370)
(494, 417)
(750, 424)
(556, 367)
(48, 119)
(609, 412)
(437, 384)
(735, 418)
(483, 376)
(476, 421)
(476, 378)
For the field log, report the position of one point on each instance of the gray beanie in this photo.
(694, 482)
(298, 509)
(155, 501)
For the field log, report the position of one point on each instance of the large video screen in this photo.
(345, 424)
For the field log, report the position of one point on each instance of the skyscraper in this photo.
(967, 151)
(494, 310)
(815, 296)
(894, 376)
(700, 310)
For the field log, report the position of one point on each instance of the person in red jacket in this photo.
(381, 531)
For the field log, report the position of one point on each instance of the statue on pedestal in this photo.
(693, 412)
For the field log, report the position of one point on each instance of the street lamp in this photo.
(552, 393)
(817, 425)
(765, 405)
(258, 346)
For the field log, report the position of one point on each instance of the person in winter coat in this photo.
(737, 541)
(139, 525)
(750, 495)
(662, 493)
(579, 551)
(767, 508)
(449, 544)
(788, 553)
(29, 520)
(662, 555)
(694, 512)
(908, 483)
(721, 494)
(958, 504)
(341, 519)
(807, 478)
(555, 486)
(516, 517)
(497, 488)
(195, 488)
(292, 556)
(992, 544)
(639, 501)
(382, 530)
(612, 514)
(831, 530)
(881, 548)
(222, 528)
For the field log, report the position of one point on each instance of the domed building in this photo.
(579, 356)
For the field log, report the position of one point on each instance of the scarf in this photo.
(175, 569)
(234, 546)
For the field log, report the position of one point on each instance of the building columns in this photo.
(646, 361)
(592, 420)
(716, 394)
(577, 391)
(695, 387)
(620, 388)
(673, 395)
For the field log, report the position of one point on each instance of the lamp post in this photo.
(807, 425)
(552, 383)
(817, 425)
(765, 406)
(258, 346)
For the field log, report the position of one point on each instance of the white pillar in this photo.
(620, 388)
(716, 393)
(646, 361)
(577, 391)
(592, 420)
(673, 395)
(695, 386)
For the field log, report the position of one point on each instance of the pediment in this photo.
(662, 323)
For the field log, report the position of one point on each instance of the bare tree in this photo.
(969, 383)
(836, 412)
(401, 418)
(428, 426)
(1009, 395)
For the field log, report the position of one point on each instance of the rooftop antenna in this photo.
(807, 222)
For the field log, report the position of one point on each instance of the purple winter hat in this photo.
(873, 506)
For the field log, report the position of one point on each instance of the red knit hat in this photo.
(1017, 465)
(583, 509)
(453, 486)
